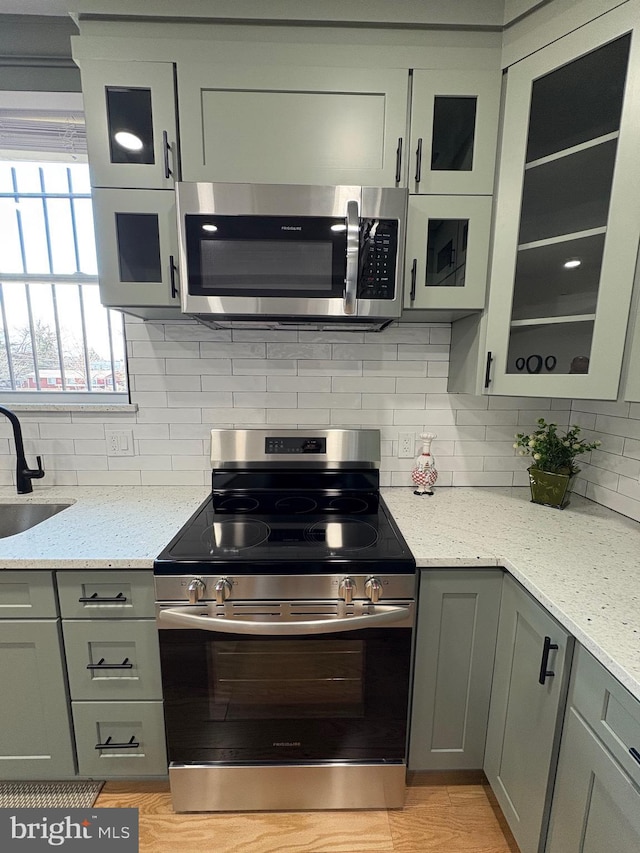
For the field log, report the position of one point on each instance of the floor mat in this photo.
(49, 795)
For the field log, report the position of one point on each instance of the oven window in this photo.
(285, 678)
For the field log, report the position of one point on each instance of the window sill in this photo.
(102, 408)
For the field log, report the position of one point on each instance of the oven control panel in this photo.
(294, 444)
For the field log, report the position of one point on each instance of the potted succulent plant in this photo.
(553, 468)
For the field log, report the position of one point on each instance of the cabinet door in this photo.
(596, 806)
(136, 247)
(106, 595)
(562, 271)
(112, 659)
(120, 739)
(293, 125)
(131, 123)
(455, 646)
(454, 130)
(27, 595)
(632, 386)
(447, 251)
(524, 713)
(35, 732)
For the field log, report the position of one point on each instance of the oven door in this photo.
(286, 683)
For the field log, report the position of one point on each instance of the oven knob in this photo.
(373, 589)
(223, 590)
(346, 588)
(195, 590)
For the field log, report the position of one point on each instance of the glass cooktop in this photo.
(288, 532)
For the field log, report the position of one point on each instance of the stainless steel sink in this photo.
(16, 518)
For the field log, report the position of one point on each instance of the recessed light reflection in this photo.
(572, 263)
(340, 227)
(128, 140)
(209, 227)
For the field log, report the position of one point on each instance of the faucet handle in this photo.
(38, 473)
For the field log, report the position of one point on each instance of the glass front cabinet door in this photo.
(454, 128)
(137, 251)
(131, 123)
(447, 251)
(563, 268)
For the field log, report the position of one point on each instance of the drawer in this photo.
(611, 711)
(112, 658)
(26, 595)
(106, 595)
(116, 739)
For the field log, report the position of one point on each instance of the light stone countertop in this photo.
(581, 563)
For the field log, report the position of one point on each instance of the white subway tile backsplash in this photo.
(187, 379)
(301, 417)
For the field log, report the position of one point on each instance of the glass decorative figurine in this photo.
(425, 474)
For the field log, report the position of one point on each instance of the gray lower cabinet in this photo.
(525, 714)
(596, 801)
(113, 664)
(458, 613)
(35, 730)
(120, 739)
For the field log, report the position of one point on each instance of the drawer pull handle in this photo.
(102, 665)
(120, 598)
(133, 744)
(544, 663)
(635, 754)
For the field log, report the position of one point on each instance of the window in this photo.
(55, 336)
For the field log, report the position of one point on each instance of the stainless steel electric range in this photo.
(285, 609)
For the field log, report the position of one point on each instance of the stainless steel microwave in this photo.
(276, 253)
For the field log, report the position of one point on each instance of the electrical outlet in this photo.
(119, 442)
(406, 445)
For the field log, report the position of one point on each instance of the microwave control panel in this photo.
(378, 254)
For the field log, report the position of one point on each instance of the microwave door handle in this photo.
(353, 250)
(184, 617)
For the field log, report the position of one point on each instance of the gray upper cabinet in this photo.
(131, 123)
(529, 687)
(293, 125)
(447, 251)
(632, 384)
(137, 250)
(454, 128)
(562, 271)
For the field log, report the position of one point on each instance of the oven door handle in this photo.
(184, 617)
(353, 254)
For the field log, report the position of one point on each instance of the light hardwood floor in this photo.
(452, 813)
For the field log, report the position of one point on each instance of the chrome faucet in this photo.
(24, 474)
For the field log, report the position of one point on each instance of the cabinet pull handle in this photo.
(419, 161)
(102, 665)
(544, 663)
(133, 744)
(487, 372)
(634, 753)
(172, 274)
(120, 598)
(165, 151)
(414, 271)
(399, 161)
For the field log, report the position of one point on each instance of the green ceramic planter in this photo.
(550, 489)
